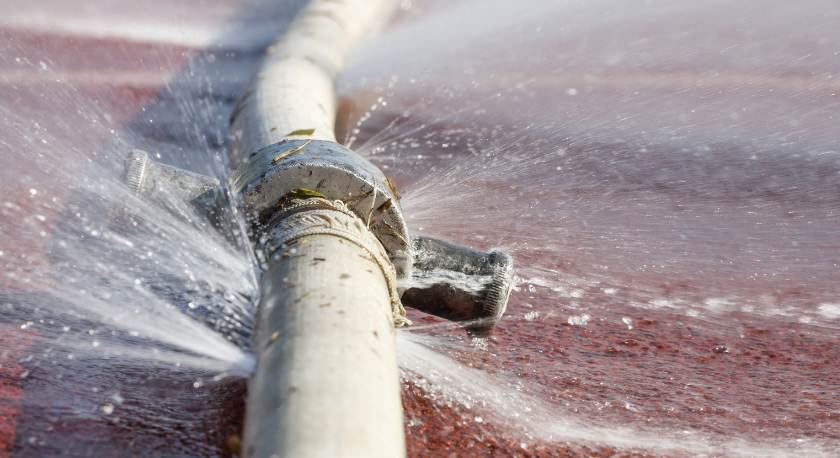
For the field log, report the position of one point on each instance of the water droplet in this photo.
(579, 320)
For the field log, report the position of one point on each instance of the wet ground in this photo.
(665, 176)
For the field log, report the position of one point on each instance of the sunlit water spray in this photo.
(116, 314)
(176, 292)
(669, 210)
(176, 281)
(671, 213)
(171, 292)
(480, 398)
(123, 341)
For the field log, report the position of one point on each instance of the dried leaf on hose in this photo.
(393, 188)
(393, 233)
(303, 193)
(387, 233)
(384, 206)
(302, 132)
(306, 295)
(350, 200)
(282, 155)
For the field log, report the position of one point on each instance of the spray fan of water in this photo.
(664, 174)
(121, 344)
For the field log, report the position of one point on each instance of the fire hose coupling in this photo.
(459, 284)
(160, 186)
(271, 176)
(297, 187)
(310, 215)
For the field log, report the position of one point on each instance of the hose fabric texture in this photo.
(317, 216)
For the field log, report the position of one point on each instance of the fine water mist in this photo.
(665, 175)
(122, 342)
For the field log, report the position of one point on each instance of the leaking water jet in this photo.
(338, 262)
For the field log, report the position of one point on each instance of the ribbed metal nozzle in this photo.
(160, 186)
(459, 284)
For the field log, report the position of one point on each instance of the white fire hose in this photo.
(327, 382)
(328, 229)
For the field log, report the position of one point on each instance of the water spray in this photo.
(338, 262)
